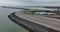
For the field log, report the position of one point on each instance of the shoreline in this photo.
(33, 27)
(16, 19)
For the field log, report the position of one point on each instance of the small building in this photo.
(44, 13)
(51, 13)
(41, 13)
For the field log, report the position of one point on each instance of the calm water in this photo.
(6, 25)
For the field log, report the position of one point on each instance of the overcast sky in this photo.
(30, 2)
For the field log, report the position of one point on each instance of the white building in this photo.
(44, 13)
(51, 13)
(40, 13)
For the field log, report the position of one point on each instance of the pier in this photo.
(36, 23)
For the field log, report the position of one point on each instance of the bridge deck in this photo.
(45, 21)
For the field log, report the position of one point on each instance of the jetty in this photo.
(35, 23)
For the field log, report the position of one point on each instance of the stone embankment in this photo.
(35, 23)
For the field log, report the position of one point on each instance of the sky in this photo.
(29, 2)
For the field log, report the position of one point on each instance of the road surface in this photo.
(45, 21)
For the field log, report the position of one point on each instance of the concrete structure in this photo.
(48, 22)
(36, 23)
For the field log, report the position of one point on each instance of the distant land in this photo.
(13, 7)
(51, 8)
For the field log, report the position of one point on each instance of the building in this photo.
(44, 13)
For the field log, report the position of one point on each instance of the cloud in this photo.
(11, 2)
(29, 2)
(43, 2)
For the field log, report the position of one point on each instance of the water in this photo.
(6, 25)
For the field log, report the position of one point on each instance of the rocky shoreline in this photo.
(32, 27)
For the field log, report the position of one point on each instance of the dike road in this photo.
(35, 23)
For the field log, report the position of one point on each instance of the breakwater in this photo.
(31, 26)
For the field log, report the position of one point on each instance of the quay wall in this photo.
(32, 27)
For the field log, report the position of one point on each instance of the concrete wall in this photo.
(32, 27)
